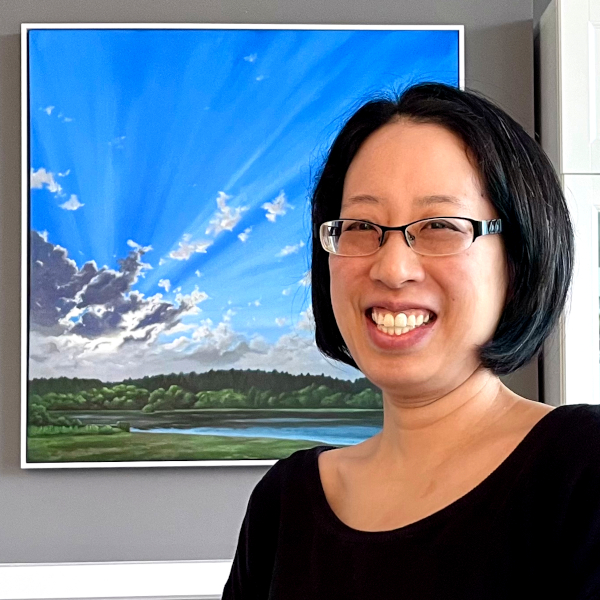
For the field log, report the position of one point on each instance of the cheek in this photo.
(462, 282)
(457, 287)
(336, 285)
(493, 274)
(343, 276)
(475, 289)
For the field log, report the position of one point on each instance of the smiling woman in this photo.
(442, 258)
(464, 285)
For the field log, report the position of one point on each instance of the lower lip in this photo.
(415, 337)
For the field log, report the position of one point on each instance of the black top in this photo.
(530, 530)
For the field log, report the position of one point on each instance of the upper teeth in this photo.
(400, 320)
(400, 323)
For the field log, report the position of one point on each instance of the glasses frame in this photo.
(480, 228)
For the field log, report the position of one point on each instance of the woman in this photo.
(469, 490)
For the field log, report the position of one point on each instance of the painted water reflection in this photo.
(334, 427)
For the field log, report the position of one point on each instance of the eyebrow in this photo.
(422, 201)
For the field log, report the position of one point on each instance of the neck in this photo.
(424, 432)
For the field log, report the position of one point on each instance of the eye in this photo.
(440, 225)
(359, 226)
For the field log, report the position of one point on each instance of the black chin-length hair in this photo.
(519, 180)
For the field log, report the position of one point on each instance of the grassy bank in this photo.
(158, 446)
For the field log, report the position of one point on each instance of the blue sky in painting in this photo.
(201, 145)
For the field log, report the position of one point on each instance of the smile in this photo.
(400, 330)
(400, 323)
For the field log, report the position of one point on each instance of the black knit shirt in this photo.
(530, 530)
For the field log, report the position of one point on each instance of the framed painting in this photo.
(167, 170)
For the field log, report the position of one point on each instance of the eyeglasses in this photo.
(439, 236)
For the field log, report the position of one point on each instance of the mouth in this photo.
(398, 324)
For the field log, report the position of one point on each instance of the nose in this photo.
(395, 262)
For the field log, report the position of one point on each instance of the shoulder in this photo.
(570, 439)
(578, 423)
(286, 475)
(576, 453)
(588, 412)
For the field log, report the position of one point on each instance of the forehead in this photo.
(421, 163)
(420, 201)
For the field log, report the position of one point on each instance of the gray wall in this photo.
(187, 512)
(539, 6)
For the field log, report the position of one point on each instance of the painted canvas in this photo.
(166, 291)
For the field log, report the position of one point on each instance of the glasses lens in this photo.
(440, 236)
(434, 237)
(350, 238)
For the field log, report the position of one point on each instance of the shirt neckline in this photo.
(333, 522)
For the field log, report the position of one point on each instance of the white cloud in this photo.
(296, 353)
(277, 208)
(305, 281)
(281, 321)
(42, 177)
(209, 346)
(137, 246)
(165, 283)
(260, 78)
(178, 344)
(258, 344)
(245, 234)
(219, 345)
(65, 173)
(226, 218)
(48, 110)
(307, 320)
(254, 303)
(161, 262)
(192, 300)
(287, 291)
(116, 142)
(181, 327)
(290, 249)
(67, 120)
(251, 57)
(198, 274)
(72, 203)
(227, 315)
(187, 247)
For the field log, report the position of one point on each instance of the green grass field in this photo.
(121, 447)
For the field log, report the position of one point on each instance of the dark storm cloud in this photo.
(92, 325)
(55, 280)
(146, 337)
(103, 296)
(166, 313)
(108, 287)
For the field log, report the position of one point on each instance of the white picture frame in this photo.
(25, 347)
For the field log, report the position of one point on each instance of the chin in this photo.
(393, 373)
